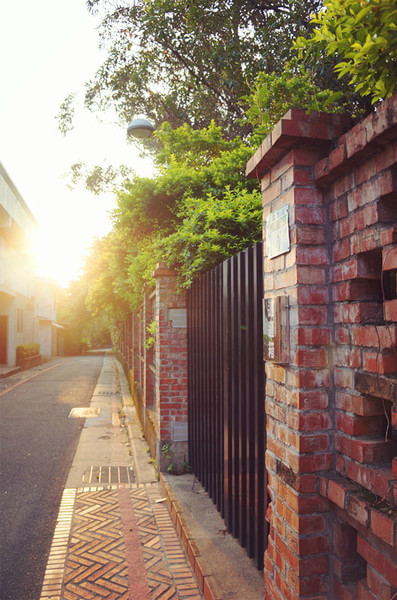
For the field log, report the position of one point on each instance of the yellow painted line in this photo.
(54, 573)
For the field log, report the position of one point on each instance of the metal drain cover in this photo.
(84, 413)
(108, 474)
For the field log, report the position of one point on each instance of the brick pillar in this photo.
(171, 370)
(299, 387)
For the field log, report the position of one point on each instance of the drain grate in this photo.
(105, 393)
(108, 475)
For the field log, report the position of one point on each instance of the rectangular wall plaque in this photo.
(277, 233)
(178, 316)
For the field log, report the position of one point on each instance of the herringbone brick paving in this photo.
(98, 563)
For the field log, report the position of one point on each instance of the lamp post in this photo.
(140, 128)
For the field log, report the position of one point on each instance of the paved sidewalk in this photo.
(114, 537)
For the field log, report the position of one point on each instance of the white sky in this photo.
(49, 48)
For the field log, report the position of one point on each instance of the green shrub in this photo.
(27, 350)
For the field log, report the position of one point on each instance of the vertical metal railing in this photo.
(227, 428)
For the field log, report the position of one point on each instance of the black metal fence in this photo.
(227, 426)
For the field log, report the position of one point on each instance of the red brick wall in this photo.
(159, 371)
(171, 353)
(331, 405)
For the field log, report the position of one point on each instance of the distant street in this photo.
(38, 442)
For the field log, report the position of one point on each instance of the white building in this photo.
(27, 303)
(45, 325)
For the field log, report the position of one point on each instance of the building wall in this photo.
(331, 392)
(45, 316)
(16, 269)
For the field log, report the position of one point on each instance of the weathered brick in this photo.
(380, 587)
(338, 208)
(313, 294)
(309, 216)
(349, 570)
(371, 190)
(357, 508)
(365, 451)
(356, 425)
(383, 527)
(380, 561)
(344, 539)
(310, 421)
(310, 275)
(364, 593)
(357, 312)
(308, 443)
(311, 336)
(341, 250)
(336, 493)
(305, 524)
(307, 586)
(308, 235)
(313, 315)
(376, 385)
(309, 378)
(356, 290)
(316, 358)
(343, 377)
(348, 357)
(310, 463)
(371, 336)
(345, 591)
(380, 362)
(342, 335)
(357, 267)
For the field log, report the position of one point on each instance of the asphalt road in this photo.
(38, 442)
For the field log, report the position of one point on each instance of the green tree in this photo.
(188, 61)
(200, 187)
(212, 230)
(274, 94)
(361, 37)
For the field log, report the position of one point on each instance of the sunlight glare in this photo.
(54, 257)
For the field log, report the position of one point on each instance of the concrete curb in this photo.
(204, 576)
(145, 471)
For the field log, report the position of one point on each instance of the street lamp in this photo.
(140, 128)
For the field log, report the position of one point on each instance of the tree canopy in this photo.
(188, 61)
(361, 36)
(197, 211)
(214, 77)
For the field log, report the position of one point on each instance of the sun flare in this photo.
(55, 255)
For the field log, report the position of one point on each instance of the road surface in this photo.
(38, 441)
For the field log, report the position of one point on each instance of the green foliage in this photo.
(27, 350)
(98, 178)
(361, 35)
(66, 114)
(198, 210)
(189, 61)
(213, 229)
(81, 324)
(274, 94)
(151, 330)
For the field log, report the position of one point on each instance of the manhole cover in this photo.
(84, 413)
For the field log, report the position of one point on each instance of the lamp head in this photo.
(140, 128)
